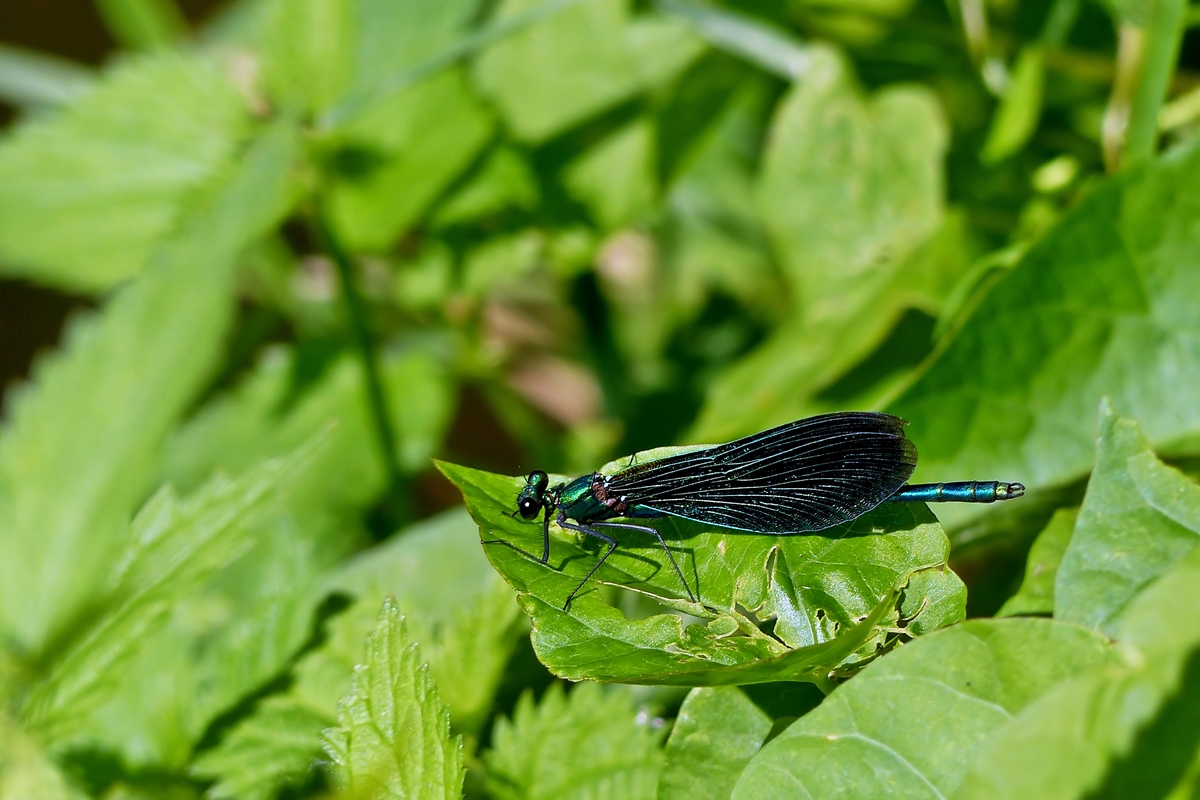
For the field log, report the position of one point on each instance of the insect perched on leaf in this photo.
(804, 476)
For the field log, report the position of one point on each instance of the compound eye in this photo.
(527, 508)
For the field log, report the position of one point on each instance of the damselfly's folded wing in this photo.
(806, 475)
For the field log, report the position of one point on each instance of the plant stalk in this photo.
(356, 309)
(1162, 34)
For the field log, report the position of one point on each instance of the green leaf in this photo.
(1118, 731)
(1139, 517)
(827, 593)
(715, 735)
(586, 744)
(414, 143)
(1036, 595)
(31, 78)
(1099, 306)
(394, 735)
(307, 51)
(262, 753)
(1020, 107)
(569, 66)
(232, 635)
(267, 414)
(908, 725)
(26, 772)
(143, 24)
(784, 377)
(78, 446)
(616, 178)
(457, 608)
(463, 615)
(174, 546)
(771, 48)
(86, 195)
(849, 185)
(504, 181)
(850, 195)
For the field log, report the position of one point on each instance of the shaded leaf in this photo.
(586, 744)
(1081, 735)
(826, 593)
(784, 378)
(1099, 306)
(954, 686)
(504, 181)
(394, 735)
(263, 753)
(616, 178)
(85, 196)
(1036, 595)
(412, 144)
(1138, 517)
(714, 737)
(143, 24)
(78, 445)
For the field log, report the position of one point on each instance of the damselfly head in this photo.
(533, 494)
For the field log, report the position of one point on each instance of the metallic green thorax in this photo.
(584, 499)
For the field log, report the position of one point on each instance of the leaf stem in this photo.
(357, 311)
(1162, 34)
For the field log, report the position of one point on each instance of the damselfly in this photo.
(804, 476)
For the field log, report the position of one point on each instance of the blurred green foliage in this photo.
(319, 243)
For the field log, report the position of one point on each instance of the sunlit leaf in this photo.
(234, 633)
(850, 195)
(782, 379)
(307, 51)
(586, 744)
(826, 594)
(714, 737)
(1138, 518)
(78, 445)
(465, 618)
(1099, 306)
(30, 78)
(85, 196)
(393, 738)
(765, 45)
(1017, 115)
(575, 63)
(849, 185)
(26, 771)
(954, 686)
(174, 545)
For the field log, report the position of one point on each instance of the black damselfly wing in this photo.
(806, 475)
